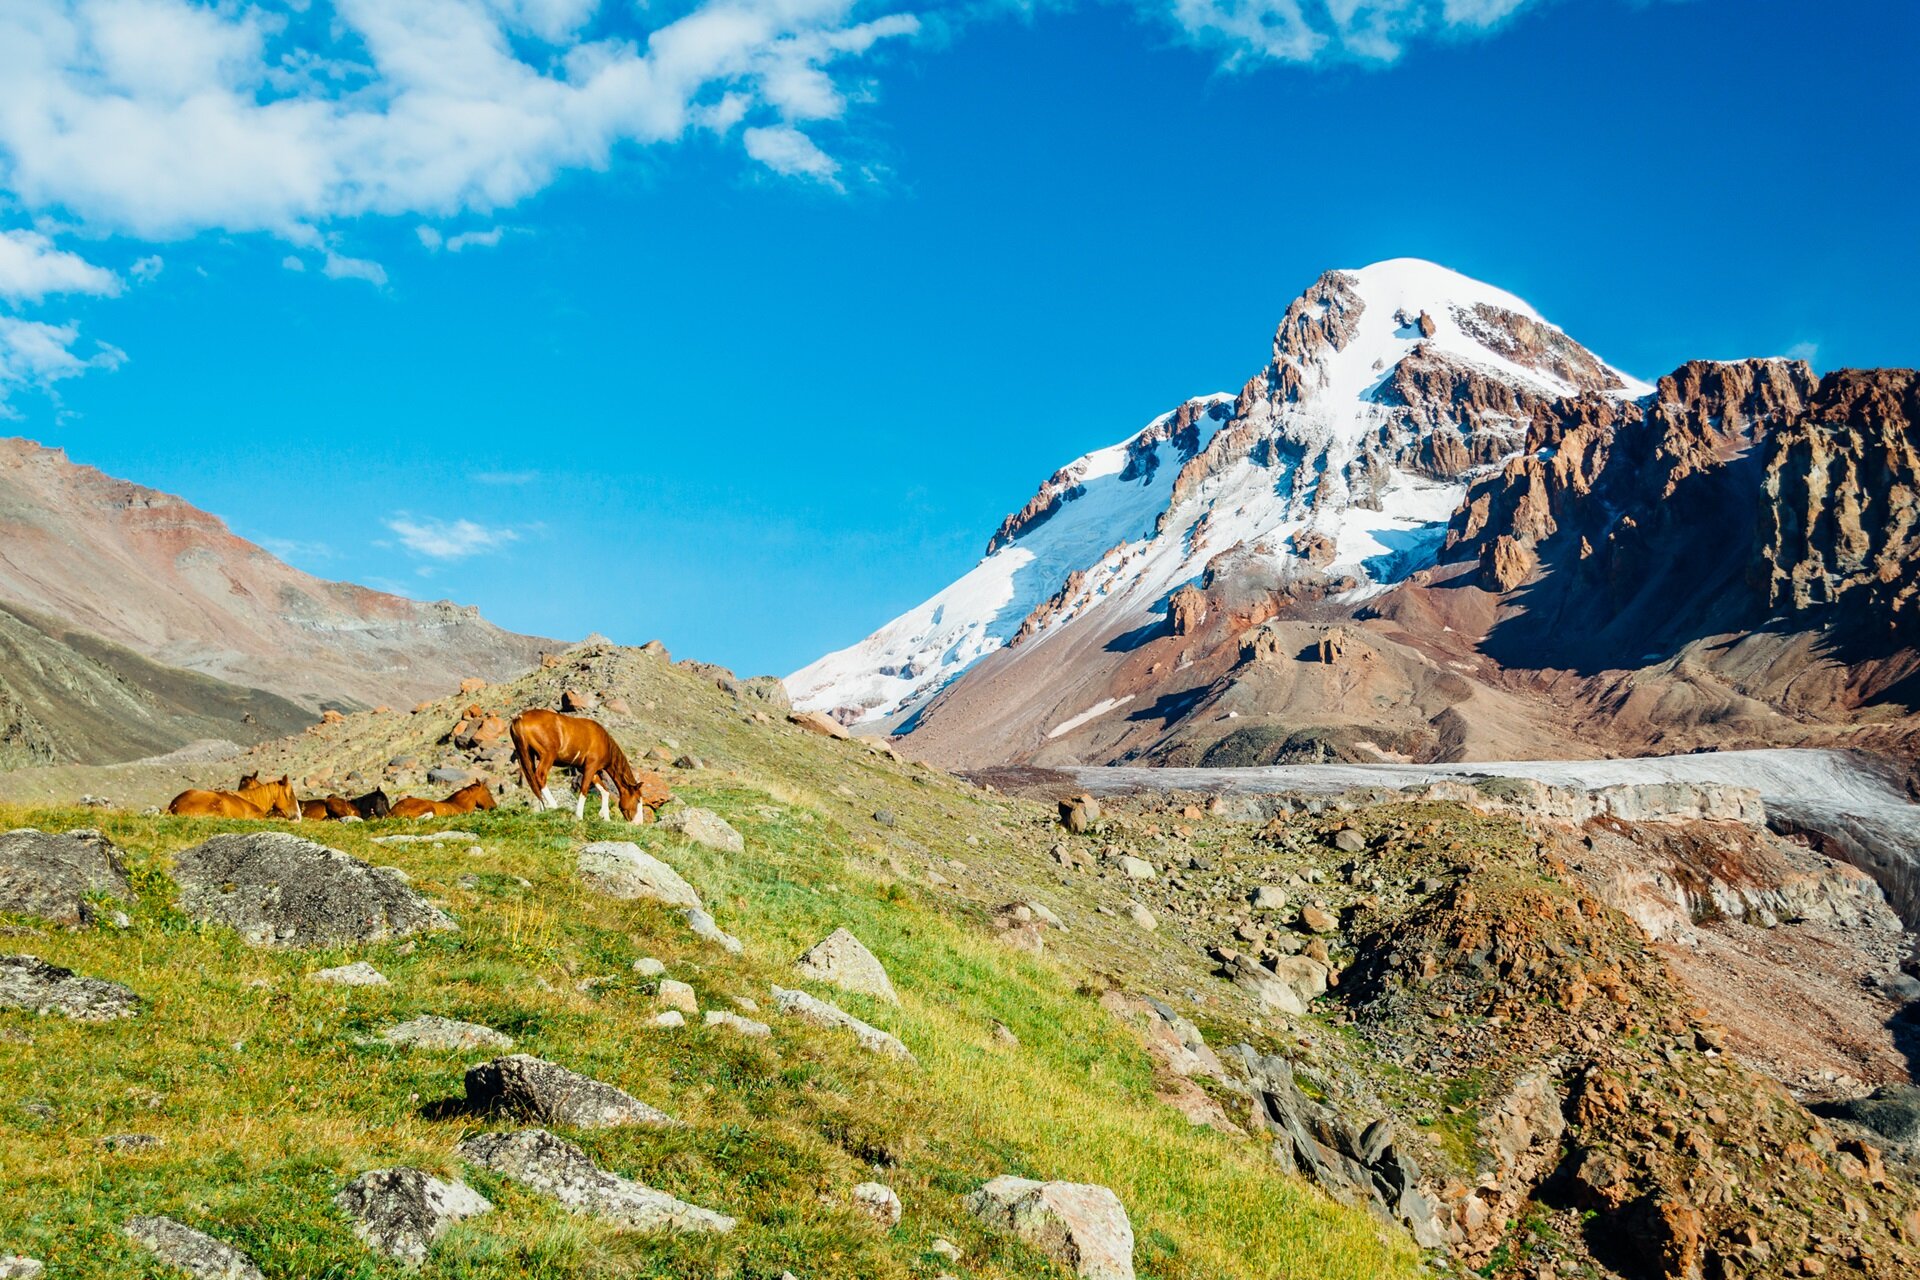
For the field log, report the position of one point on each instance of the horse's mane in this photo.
(619, 767)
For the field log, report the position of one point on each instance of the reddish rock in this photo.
(814, 722)
(578, 701)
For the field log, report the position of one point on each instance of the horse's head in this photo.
(251, 780)
(278, 799)
(374, 804)
(476, 795)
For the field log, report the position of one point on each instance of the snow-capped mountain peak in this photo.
(1334, 470)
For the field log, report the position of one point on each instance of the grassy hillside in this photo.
(268, 1101)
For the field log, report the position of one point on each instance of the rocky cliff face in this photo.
(149, 572)
(1841, 525)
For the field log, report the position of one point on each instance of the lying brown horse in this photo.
(543, 739)
(336, 808)
(254, 799)
(474, 795)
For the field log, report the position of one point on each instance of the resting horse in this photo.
(337, 808)
(254, 799)
(474, 795)
(543, 739)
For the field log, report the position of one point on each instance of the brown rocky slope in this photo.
(150, 573)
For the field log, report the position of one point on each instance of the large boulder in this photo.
(555, 1167)
(704, 827)
(551, 1094)
(817, 1011)
(843, 960)
(1084, 1226)
(399, 1212)
(280, 890)
(770, 690)
(30, 983)
(622, 869)
(51, 876)
(194, 1252)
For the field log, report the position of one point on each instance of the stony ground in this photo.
(1291, 1047)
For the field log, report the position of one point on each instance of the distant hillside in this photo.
(66, 696)
(149, 574)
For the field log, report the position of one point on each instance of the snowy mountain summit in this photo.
(1334, 472)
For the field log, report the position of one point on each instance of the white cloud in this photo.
(1249, 32)
(1808, 351)
(31, 268)
(162, 118)
(147, 268)
(434, 240)
(338, 266)
(448, 539)
(786, 150)
(35, 354)
(292, 263)
(504, 477)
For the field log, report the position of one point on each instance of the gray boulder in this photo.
(551, 1094)
(817, 1011)
(15, 1267)
(554, 1167)
(703, 926)
(704, 827)
(737, 1022)
(1891, 1111)
(400, 1212)
(1085, 1227)
(30, 983)
(430, 1031)
(281, 890)
(770, 690)
(194, 1252)
(51, 876)
(841, 959)
(622, 869)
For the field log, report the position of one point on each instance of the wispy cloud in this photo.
(337, 266)
(1808, 351)
(36, 354)
(439, 539)
(1247, 33)
(296, 549)
(432, 238)
(504, 477)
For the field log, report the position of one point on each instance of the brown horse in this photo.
(543, 739)
(254, 799)
(474, 795)
(332, 809)
(372, 805)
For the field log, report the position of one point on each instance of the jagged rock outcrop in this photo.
(401, 1212)
(1841, 527)
(1085, 1227)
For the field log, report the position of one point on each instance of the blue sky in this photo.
(758, 327)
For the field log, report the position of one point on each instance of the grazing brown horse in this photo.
(474, 795)
(543, 739)
(254, 799)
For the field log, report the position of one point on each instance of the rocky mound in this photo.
(279, 890)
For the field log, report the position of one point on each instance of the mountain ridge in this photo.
(1476, 504)
(147, 573)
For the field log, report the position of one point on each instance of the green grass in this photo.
(268, 1102)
